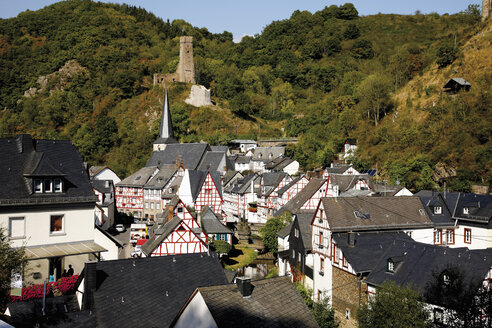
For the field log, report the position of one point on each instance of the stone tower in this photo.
(486, 8)
(186, 68)
(185, 71)
(166, 135)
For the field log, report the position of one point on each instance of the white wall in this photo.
(78, 225)
(184, 191)
(196, 315)
(107, 174)
(102, 240)
(292, 168)
(425, 236)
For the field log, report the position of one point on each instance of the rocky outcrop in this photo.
(199, 96)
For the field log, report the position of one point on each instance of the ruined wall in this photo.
(486, 7)
(345, 296)
(185, 72)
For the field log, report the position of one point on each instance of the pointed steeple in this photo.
(166, 135)
(166, 130)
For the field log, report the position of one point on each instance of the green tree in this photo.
(272, 227)
(351, 32)
(362, 49)
(393, 306)
(347, 11)
(322, 312)
(11, 260)
(375, 93)
(446, 54)
(222, 247)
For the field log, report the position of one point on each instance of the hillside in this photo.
(322, 76)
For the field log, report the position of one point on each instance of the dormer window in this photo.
(446, 280)
(466, 210)
(437, 209)
(390, 267)
(47, 185)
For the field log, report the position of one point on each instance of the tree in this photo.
(393, 306)
(347, 11)
(446, 54)
(351, 32)
(272, 227)
(11, 260)
(362, 49)
(463, 302)
(221, 246)
(375, 94)
(322, 311)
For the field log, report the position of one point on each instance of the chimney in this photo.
(90, 283)
(351, 239)
(244, 286)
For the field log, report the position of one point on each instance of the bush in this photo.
(446, 54)
(222, 247)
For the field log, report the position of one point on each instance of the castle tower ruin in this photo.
(185, 71)
(486, 8)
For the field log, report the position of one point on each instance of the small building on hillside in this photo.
(457, 84)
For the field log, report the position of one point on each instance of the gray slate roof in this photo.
(230, 177)
(267, 153)
(160, 234)
(24, 159)
(419, 261)
(162, 177)
(190, 154)
(338, 169)
(279, 163)
(273, 303)
(197, 178)
(243, 186)
(211, 161)
(139, 178)
(149, 292)
(304, 221)
(294, 205)
(211, 224)
(346, 181)
(375, 213)
(285, 231)
(369, 247)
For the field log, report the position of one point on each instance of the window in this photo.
(321, 265)
(158, 206)
(319, 295)
(320, 242)
(222, 236)
(337, 255)
(38, 186)
(466, 210)
(467, 235)
(344, 262)
(296, 232)
(450, 236)
(437, 210)
(48, 185)
(151, 206)
(56, 224)
(17, 227)
(390, 266)
(180, 210)
(437, 237)
(293, 254)
(446, 279)
(146, 205)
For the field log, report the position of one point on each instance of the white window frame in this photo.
(151, 205)
(450, 236)
(17, 218)
(48, 185)
(466, 210)
(58, 185)
(437, 210)
(468, 236)
(62, 231)
(158, 206)
(38, 183)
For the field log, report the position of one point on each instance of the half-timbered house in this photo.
(306, 199)
(288, 192)
(202, 188)
(240, 199)
(270, 183)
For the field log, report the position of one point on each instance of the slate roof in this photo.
(431, 199)
(94, 170)
(211, 224)
(285, 231)
(149, 292)
(294, 205)
(271, 180)
(139, 178)
(243, 185)
(197, 178)
(100, 185)
(348, 181)
(338, 169)
(279, 163)
(211, 161)
(230, 176)
(369, 247)
(24, 158)
(385, 190)
(375, 213)
(223, 149)
(243, 141)
(161, 178)
(190, 154)
(263, 153)
(304, 222)
(241, 159)
(419, 261)
(166, 128)
(273, 303)
(62, 311)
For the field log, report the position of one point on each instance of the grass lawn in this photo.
(240, 256)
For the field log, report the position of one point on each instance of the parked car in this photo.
(120, 228)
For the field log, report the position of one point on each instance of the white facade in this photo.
(107, 174)
(32, 227)
(113, 252)
(292, 168)
(403, 192)
(184, 192)
(196, 314)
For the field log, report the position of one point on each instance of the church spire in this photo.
(166, 130)
(166, 135)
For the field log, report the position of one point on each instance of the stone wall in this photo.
(486, 7)
(199, 96)
(345, 295)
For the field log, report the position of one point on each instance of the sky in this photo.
(249, 17)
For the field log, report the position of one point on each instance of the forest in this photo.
(82, 70)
